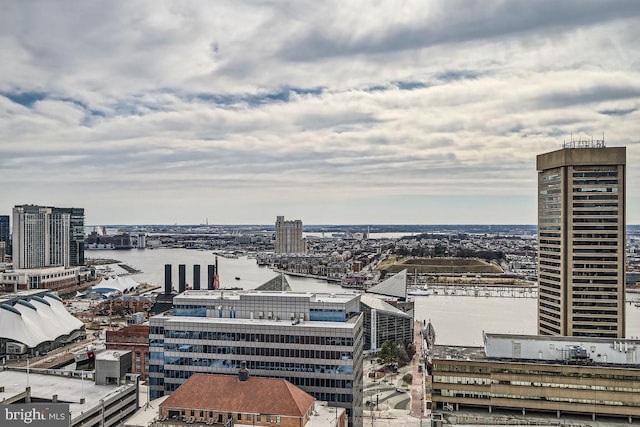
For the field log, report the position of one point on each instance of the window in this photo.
(239, 416)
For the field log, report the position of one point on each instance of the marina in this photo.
(460, 317)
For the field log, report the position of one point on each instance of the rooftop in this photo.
(349, 324)
(235, 295)
(256, 395)
(68, 389)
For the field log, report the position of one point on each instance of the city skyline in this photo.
(175, 112)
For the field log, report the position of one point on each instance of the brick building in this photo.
(136, 339)
(242, 400)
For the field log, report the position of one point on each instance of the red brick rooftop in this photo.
(227, 393)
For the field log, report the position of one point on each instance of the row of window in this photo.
(174, 361)
(598, 174)
(596, 197)
(257, 337)
(488, 395)
(258, 351)
(595, 319)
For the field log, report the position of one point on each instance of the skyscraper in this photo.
(581, 240)
(289, 237)
(76, 234)
(47, 236)
(4, 233)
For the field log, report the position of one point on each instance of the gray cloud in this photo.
(322, 109)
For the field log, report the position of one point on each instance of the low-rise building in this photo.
(242, 400)
(89, 404)
(561, 375)
(133, 338)
(51, 278)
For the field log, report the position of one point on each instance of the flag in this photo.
(216, 282)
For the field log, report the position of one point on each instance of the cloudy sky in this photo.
(428, 112)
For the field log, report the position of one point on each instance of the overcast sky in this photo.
(421, 112)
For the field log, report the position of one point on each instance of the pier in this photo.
(485, 291)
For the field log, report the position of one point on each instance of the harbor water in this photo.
(458, 320)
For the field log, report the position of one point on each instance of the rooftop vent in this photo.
(243, 373)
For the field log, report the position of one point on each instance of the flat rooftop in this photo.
(112, 355)
(349, 324)
(235, 295)
(69, 390)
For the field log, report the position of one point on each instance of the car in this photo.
(400, 390)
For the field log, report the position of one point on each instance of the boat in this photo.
(423, 291)
(85, 359)
(237, 278)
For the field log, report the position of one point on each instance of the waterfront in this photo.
(458, 320)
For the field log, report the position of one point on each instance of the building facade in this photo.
(289, 237)
(63, 280)
(5, 235)
(46, 236)
(384, 322)
(133, 338)
(557, 375)
(314, 341)
(581, 241)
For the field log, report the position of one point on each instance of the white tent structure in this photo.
(394, 286)
(36, 320)
(116, 284)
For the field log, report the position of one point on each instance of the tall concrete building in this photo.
(289, 237)
(45, 236)
(581, 240)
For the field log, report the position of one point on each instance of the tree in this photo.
(388, 352)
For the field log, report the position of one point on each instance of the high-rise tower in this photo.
(581, 240)
(289, 237)
(4, 233)
(46, 236)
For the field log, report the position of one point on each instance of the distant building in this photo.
(76, 233)
(46, 236)
(581, 236)
(313, 340)
(243, 400)
(5, 235)
(53, 278)
(289, 237)
(530, 373)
